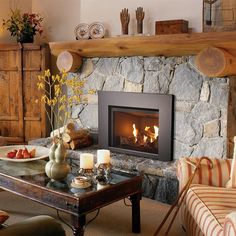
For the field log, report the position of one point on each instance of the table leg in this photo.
(78, 225)
(135, 200)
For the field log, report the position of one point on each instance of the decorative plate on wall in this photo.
(82, 31)
(96, 30)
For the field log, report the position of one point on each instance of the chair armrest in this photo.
(216, 176)
(230, 224)
(39, 225)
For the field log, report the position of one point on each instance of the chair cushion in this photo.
(216, 176)
(3, 216)
(209, 206)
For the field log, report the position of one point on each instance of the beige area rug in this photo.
(113, 220)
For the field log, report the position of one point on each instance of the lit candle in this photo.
(86, 161)
(103, 156)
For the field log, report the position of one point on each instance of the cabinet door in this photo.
(34, 113)
(11, 112)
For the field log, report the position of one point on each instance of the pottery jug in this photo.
(57, 168)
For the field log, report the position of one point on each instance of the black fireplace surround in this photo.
(139, 109)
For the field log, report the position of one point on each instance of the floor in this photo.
(113, 220)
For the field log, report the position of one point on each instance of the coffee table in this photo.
(29, 181)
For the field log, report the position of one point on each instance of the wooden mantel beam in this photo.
(159, 45)
(216, 62)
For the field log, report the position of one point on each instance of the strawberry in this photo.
(19, 154)
(26, 153)
(11, 154)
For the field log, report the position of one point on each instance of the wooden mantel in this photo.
(166, 45)
(216, 51)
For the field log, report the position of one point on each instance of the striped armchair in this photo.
(209, 208)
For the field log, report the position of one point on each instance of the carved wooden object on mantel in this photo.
(139, 17)
(125, 18)
(216, 62)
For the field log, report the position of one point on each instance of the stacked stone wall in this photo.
(200, 107)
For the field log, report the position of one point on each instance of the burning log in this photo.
(140, 144)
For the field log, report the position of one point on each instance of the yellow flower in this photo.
(92, 91)
(57, 90)
(53, 78)
(47, 73)
(40, 85)
(44, 99)
(60, 102)
(62, 99)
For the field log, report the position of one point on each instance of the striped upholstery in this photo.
(208, 210)
(230, 223)
(209, 207)
(232, 182)
(217, 176)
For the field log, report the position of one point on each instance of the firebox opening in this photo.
(134, 129)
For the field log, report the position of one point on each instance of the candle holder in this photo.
(103, 172)
(86, 172)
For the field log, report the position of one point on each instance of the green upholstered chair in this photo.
(36, 226)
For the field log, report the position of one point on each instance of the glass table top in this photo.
(33, 172)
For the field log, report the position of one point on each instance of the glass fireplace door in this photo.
(134, 129)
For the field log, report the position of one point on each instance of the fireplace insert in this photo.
(136, 123)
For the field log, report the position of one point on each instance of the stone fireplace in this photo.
(203, 106)
(204, 113)
(136, 123)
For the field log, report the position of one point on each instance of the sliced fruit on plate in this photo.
(33, 153)
(26, 153)
(19, 154)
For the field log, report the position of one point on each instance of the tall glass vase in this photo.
(57, 167)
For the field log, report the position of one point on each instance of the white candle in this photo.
(86, 161)
(103, 156)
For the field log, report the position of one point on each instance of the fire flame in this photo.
(135, 133)
(146, 136)
(156, 130)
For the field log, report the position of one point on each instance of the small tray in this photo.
(80, 182)
(85, 185)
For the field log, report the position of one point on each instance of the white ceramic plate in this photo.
(96, 30)
(82, 31)
(41, 152)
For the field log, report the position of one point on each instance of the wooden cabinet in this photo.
(21, 118)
